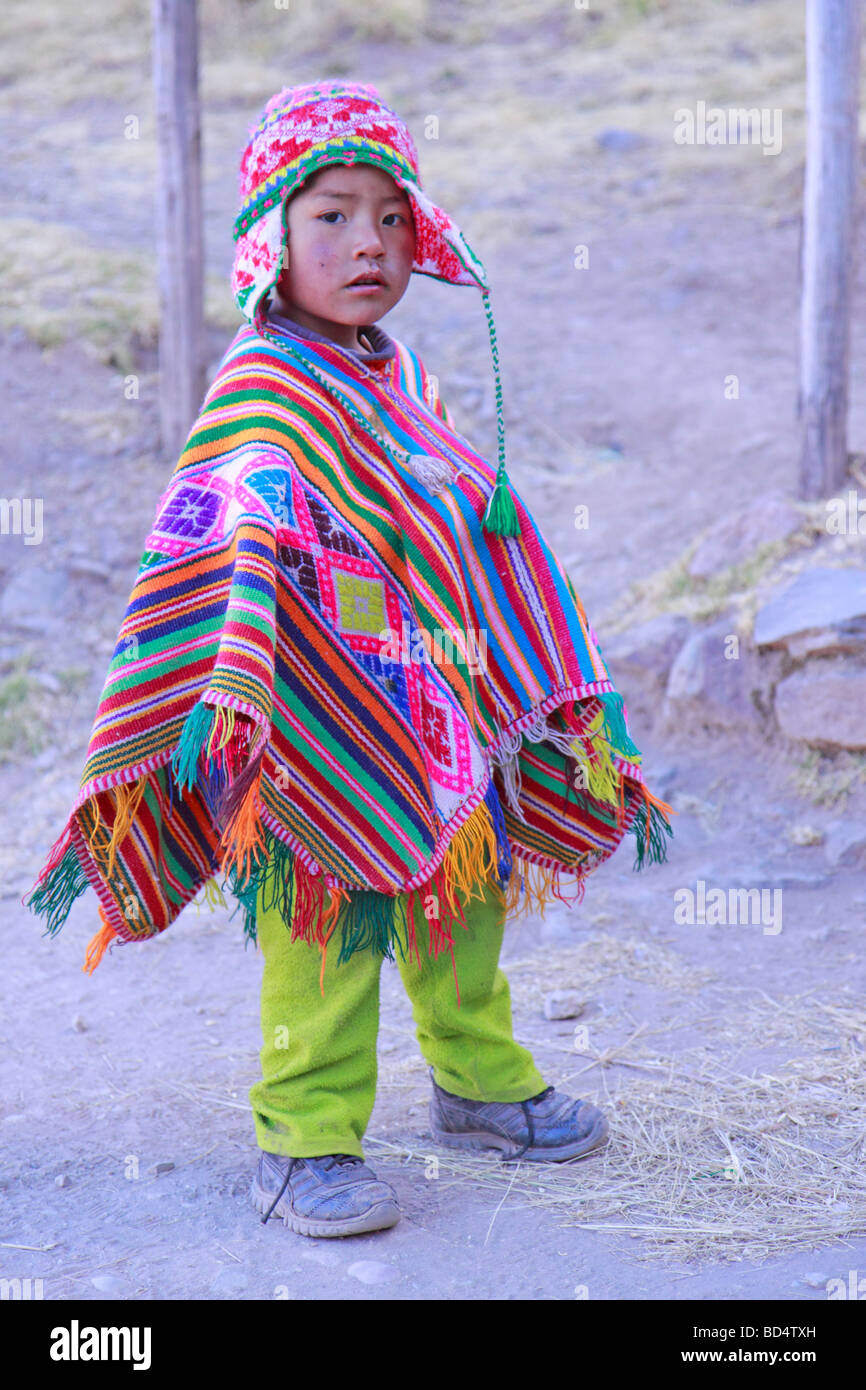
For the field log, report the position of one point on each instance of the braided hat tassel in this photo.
(500, 518)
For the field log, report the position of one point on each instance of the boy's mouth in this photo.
(369, 280)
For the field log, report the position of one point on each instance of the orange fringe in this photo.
(470, 856)
(539, 884)
(97, 826)
(99, 944)
(127, 797)
(329, 916)
(244, 834)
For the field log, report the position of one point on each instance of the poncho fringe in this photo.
(191, 777)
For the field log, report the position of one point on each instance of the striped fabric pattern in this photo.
(332, 676)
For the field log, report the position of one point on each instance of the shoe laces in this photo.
(542, 1095)
(339, 1160)
(530, 1124)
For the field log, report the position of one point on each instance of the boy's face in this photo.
(346, 221)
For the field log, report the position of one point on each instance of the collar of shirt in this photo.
(383, 347)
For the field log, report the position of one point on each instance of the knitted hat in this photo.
(332, 122)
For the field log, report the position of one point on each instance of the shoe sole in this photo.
(481, 1139)
(381, 1216)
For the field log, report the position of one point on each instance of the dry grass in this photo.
(76, 290)
(23, 715)
(708, 1161)
(829, 778)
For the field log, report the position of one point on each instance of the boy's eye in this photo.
(337, 213)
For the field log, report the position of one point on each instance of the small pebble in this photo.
(78, 1024)
(816, 1281)
(805, 835)
(563, 1003)
(62, 1180)
(159, 1168)
(108, 1283)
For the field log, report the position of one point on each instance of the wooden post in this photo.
(179, 221)
(829, 231)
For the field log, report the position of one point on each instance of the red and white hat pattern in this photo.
(331, 122)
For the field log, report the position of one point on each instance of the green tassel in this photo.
(501, 518)
(54, 896)
(246, 895)
(368, 921)
(195, 733)
(659, 828)
(277, 880)
(614, 726)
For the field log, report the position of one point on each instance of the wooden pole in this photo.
(179, 221)
(830, 214)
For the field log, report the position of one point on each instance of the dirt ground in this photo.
(613, 383)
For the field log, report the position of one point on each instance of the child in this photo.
(277, 711)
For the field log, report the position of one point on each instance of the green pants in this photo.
(319, 1064)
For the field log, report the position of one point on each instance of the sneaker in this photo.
(549, 1126)
(335, 1195)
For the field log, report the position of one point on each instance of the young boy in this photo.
(276, 710)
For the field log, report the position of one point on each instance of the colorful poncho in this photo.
(330, 682)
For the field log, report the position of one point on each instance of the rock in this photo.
(371, 1271)
(646, 652)
(157, 1169)
(824, 704)
(734, 539)
(620, 141)
(62, 1180)
(816, 600)
(845, 844)
(110, 1284)
(563, 1003)
(845, 639)
(78, 1024)
(708, 689)
(816, 1281)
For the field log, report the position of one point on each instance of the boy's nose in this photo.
(369, 241)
